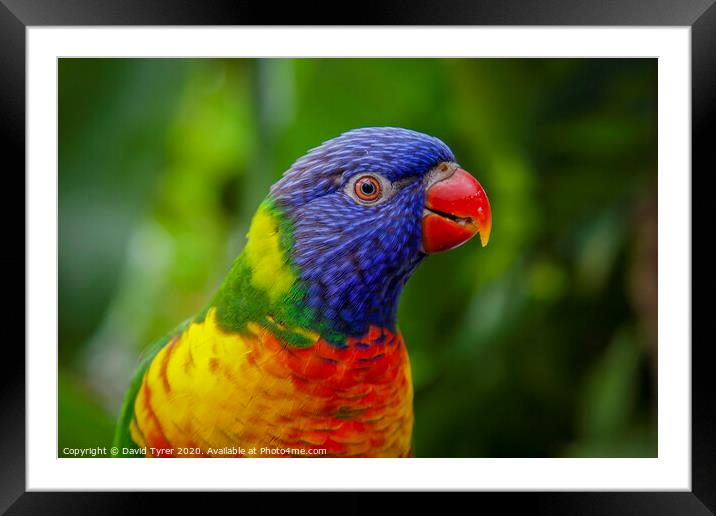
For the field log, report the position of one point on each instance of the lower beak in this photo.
(456, 208)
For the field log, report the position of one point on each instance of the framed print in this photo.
(418, 258)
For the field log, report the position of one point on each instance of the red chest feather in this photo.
(210, 388)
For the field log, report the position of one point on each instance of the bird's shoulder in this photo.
(122, 436)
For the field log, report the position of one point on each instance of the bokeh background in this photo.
(542, 344)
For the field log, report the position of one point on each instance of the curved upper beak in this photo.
(456, 209)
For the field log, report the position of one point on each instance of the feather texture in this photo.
(299, 349)
(208, 390)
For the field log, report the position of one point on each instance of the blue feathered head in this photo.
(366, 207)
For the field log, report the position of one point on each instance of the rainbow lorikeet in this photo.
(298, 353)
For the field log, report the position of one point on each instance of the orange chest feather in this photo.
(214, 393)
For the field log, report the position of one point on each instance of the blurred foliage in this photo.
(541, 344)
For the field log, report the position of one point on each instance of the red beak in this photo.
(456, 208)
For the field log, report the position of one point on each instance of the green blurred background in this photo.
(542, 344)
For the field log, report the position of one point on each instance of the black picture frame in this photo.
(17, 15)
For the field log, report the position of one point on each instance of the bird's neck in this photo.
(336, 300)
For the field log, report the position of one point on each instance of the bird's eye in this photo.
(368, 189)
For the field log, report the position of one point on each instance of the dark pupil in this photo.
(367, 188)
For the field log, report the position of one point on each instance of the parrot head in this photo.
(364, 209)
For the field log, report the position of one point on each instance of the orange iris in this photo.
(368, 188)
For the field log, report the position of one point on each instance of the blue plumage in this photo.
(354, 258)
